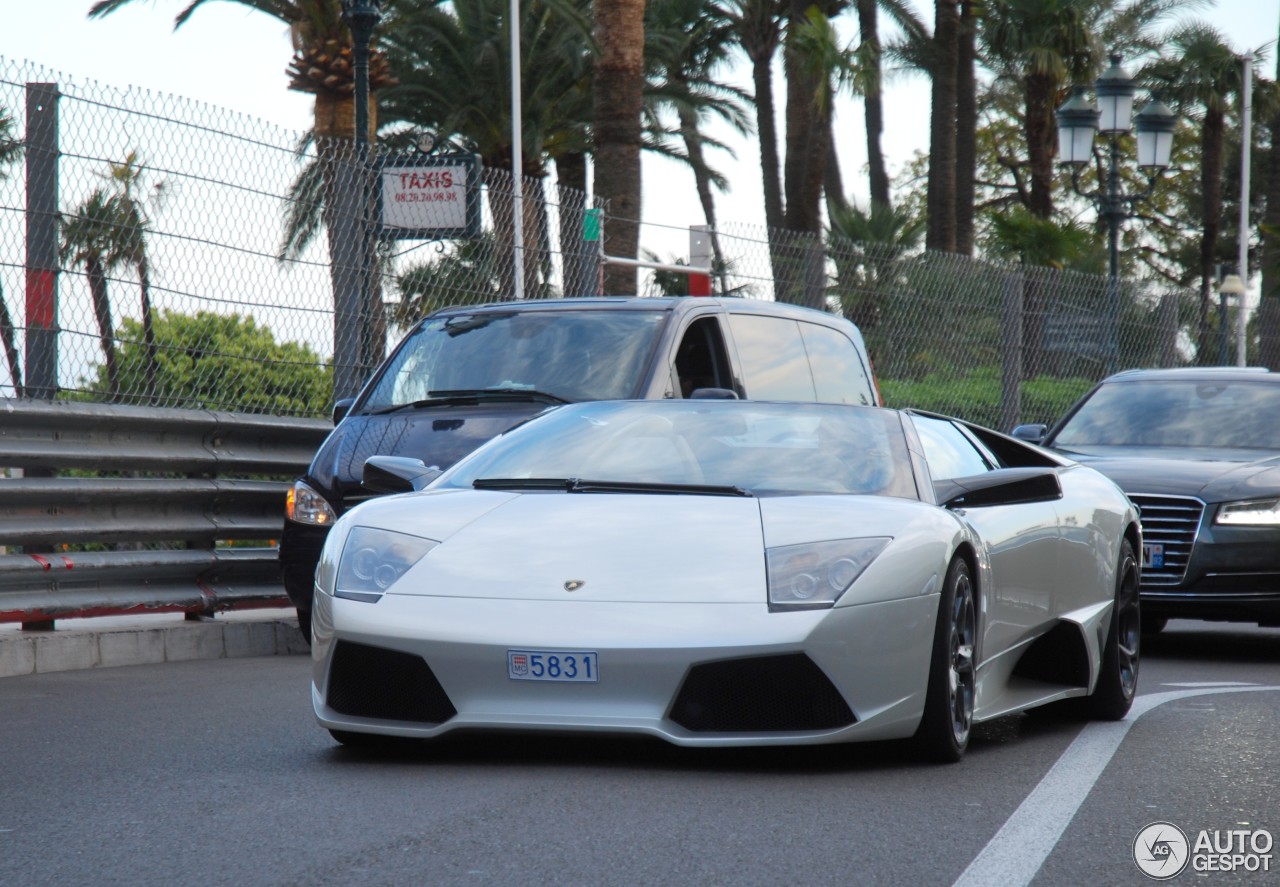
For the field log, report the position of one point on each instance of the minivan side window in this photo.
(838, 373)
(701, 361)
(775, 365)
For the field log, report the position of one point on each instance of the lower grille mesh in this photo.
(762, 694)
(373, 682)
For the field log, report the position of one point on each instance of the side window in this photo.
(948, 451)
(701, 361)
(838, 373)
(775, 365)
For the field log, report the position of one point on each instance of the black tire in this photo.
(943, 734)
(1118, 682)
(1153, 625)
(304, 625)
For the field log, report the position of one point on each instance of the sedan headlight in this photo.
(814, 575)
(305, 506)
(373, 560)
(1255, 513)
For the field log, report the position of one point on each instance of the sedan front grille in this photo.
(1172, 522)
(760, 695)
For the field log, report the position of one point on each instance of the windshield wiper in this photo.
(501, 393)
(578, 485)
(466, 396)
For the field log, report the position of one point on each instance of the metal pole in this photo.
(42, 241)
(517, 156)
(1114, 213)
(361, 21)
(1246, 143)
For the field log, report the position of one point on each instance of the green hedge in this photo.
(975, 396)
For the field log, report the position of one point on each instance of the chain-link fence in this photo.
(159, 251)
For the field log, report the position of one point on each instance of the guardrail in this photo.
(123, 509)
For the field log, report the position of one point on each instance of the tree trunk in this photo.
(106, 332)
(873, 107)
(806, 136)
(701, 180)
(7, 335)
(966, 128)
(1211, 160)
(618, 104)
(1040, 91)
(940, 233)
(579, 258)
(151, 370)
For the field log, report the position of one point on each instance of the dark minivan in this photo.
(463, 375)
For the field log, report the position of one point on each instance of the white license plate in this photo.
(1152, 555)
(553, 665)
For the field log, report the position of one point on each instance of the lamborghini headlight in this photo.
(305, 506)
(373, 560)
(814, 575)
(1254, 513)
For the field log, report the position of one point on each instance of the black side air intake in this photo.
(373, 682)
(787, 693)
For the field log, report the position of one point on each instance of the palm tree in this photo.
(91, 237)
(454, 80)
(1202, 75)
(322, 65)
(10, 151)
(131, 249)
(618, 106)
(689, 41)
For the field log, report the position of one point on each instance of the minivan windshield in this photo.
(571, 355)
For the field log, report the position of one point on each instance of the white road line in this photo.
(1016, 852)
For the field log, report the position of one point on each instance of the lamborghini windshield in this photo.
(700, 447)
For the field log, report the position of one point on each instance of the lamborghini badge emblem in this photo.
(574, 584)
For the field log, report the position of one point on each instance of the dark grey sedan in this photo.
(1198, 450)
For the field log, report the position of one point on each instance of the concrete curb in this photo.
(145, 640)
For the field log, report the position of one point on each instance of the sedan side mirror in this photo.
(1031, 433)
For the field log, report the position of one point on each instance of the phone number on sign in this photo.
(420, 197)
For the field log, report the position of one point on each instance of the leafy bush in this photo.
(975, 396)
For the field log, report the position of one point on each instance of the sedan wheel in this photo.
(1118, 682)
(944, 728)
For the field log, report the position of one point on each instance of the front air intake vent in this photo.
(373, 682)
(763, 694)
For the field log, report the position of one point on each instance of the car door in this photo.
(1023, 540)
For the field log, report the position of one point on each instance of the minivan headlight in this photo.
(1254, 513)
(373, 560)
(814, 575)
(305, 506)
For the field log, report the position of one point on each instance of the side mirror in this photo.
(341, 408)
(713, 394)
(1030, 433)
(397, 474)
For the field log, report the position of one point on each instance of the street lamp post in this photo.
(1078, 121)
(362, 16)
(1231, 285)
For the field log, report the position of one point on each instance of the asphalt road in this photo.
(214, 772)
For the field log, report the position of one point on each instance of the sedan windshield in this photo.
(698, 447)
(555, 355)
(1177, 413)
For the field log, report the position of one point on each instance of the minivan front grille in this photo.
(1172, 522)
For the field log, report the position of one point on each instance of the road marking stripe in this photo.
(1016, 852)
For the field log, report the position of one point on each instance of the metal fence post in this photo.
(1011, 352)
(42, 240)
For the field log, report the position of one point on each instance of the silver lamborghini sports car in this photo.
(723, 572)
